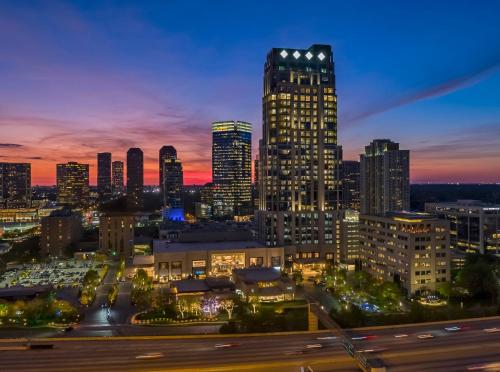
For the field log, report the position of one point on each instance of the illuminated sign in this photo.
(200, 263)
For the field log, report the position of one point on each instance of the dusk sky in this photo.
(81, 77)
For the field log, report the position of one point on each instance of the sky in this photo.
(81, 77)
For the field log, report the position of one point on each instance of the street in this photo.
(447, 351)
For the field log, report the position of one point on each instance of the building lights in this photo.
(321, 56)
(284, 53)
(296, 54)
(309, 55)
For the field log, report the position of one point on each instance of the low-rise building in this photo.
(266, 284)
(474, 226)
(116, 234)
(178, 260)
(58, 231)
(408, 248)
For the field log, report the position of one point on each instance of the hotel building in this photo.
(299, 181)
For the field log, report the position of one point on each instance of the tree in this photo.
(478, 277)
(91, 278)
(182, 306)
(254, 300)
(141, 280)
(227, 305)
(298, 277)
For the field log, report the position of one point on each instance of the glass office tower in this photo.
(232, 168)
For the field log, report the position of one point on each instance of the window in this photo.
(256, 261)
(275, 261)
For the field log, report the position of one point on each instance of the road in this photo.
(447, 351)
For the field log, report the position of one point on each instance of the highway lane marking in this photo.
(260, 365)
(436, 349)
(165, 337)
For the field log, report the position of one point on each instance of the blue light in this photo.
(174, 214)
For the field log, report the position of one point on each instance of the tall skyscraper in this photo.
(171, 178)
(299, 191)
(73, 183)
(350, 185)
(15, 185)
(385, 178)
(135, 178)
(166, 153)
(104, 174)
(232, 168)
(117, 177)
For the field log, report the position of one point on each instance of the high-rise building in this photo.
(58, 231)
(407, 248)
(349, 238)
(117, 182)
(232, 168)
(350, 185)
(166, 153)
(15, 185)
(384, 178)
(299, 191)
(135, 178)
(171, 178)
(474, 225)
(73, 183)
(104, 174)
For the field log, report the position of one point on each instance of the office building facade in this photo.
(474, 226)
(116, 234)
(350, 184)
(15, 185)
(117, 182)
(73, 184)
(104, 174)
(171, 178)
(385, 178)
(232, 168)
(299, 180)
(135, 178)
(58, 231)
(410, 249)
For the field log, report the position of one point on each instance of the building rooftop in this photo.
(465, 203)
(257, 274)
(165, 246)
(201, 285)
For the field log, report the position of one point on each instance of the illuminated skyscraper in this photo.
(171, 178)
(135, 178)
(104, 174)
(117, 177)
(299, 183)
(350, 184)
(385, 178)
(15, 185)
(73, 183)
(232, 168)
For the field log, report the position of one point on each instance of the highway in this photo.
(446, 351)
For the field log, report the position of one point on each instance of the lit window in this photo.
(309, 55)
(296, 54)
(284, 53)
(321, 56)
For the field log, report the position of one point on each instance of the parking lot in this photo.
(63, 273)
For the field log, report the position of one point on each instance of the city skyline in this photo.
(106, 80)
